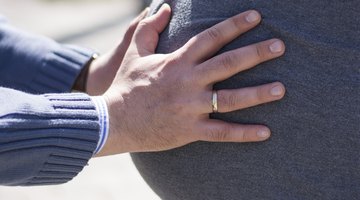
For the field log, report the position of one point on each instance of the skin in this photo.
(162, 101)
(102, 71)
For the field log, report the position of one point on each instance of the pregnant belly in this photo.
(314, 149)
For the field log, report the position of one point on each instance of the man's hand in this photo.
(103, 70)
(162, 101)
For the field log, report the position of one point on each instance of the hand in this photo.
(162, 101)
(103, 69)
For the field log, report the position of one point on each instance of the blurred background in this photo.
(100, 25)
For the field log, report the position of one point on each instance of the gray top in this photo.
(314, 149)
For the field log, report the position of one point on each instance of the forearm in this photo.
(45, 139)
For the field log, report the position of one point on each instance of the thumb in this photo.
(146, 36)
(117, 55)
(132, 27)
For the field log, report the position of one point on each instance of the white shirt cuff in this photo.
(103, 114)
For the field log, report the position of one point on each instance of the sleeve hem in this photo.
(70, 154)
(60, 68)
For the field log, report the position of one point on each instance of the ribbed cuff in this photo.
(60, 68)
(76, 121)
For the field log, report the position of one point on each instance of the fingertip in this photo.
(147, 34)
(253, 16)
(277, 46)
(163, 12)
(134, 23)
(165, 8)
(278, 90)
(263, 133)
(283, 88)
(162, 17)
(283, 46)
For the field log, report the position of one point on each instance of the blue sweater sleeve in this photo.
(45, 139)
(36, 64)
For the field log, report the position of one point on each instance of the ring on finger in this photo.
(214, 101)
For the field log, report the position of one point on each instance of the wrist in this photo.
(81, 81)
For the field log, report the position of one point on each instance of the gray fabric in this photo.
(314, 149)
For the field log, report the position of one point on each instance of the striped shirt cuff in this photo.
(103, 114)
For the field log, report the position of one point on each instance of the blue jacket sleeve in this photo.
(45, 139)
(37, 64)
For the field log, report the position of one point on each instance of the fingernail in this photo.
(276, 47)
(164, 5)
(277, 91)
(252, 17)
(263, 133)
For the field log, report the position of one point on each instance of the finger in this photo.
(146, 35)
(210, 41)
(132, 27)
(236, 99)
(230, 63)
(124, 45)
(231, 100)
(219, 131)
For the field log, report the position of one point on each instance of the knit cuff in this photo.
(60, 68)
(76, 121)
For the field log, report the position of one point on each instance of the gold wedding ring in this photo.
(214, 102)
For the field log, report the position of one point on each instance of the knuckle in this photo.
(214, 34)
(181, 78)
(133, 25)
(143, 24)
(220, 134)
(226, 62)
(242, 135)
(260, 53)
(259, 95)
(227, 101)
(173, 105)
(171, 60)
(238, 24)
(177, 58)
(208, 69)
